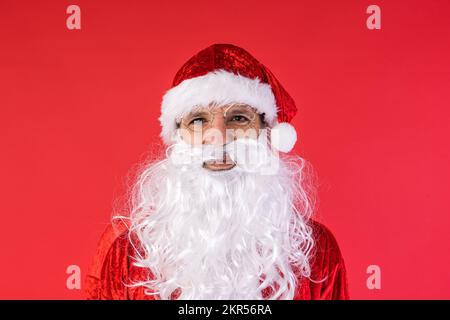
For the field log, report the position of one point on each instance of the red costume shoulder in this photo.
(108, 275)
(112, 271)
(328, 278)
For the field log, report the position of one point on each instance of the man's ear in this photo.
(175, 136)
(262, 118)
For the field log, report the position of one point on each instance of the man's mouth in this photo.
(219, 164)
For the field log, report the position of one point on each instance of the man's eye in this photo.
(197, 121)
(239, 118)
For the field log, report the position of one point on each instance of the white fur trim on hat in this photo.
(218, 86)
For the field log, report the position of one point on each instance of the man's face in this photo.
(219, 125)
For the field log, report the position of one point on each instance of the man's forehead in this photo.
(214, 106)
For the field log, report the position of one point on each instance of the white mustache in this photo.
(249, 155)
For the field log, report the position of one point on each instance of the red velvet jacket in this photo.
(112, 267)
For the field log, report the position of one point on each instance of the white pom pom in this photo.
(283, 137)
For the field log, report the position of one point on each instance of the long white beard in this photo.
(222, 235)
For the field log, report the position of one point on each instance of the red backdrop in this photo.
(79, 108)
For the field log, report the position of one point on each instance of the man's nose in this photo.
(217, 133)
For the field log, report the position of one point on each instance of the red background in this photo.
(79, 109)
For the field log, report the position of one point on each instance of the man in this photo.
(226, 213)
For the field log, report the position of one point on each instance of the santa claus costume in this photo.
(194, 234)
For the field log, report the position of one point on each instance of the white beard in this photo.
(221, 235)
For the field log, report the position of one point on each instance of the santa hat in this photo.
(224, 73)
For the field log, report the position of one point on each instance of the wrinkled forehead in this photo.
(215, 107)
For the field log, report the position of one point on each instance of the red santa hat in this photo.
(225, 73)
